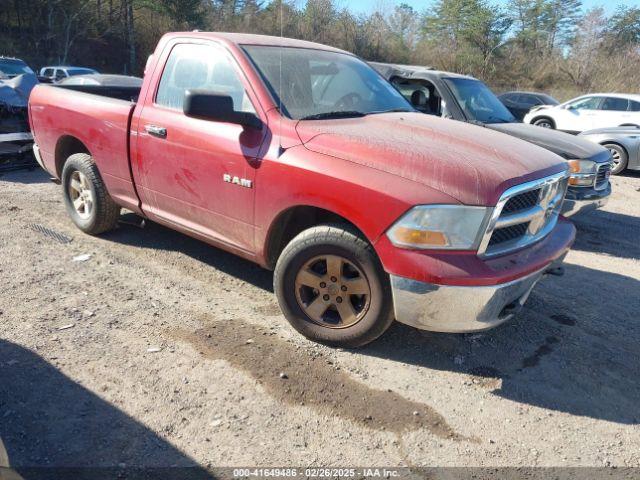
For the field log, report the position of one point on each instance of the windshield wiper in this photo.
(393, 110)
(330, 115)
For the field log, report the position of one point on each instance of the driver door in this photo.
(187, 165)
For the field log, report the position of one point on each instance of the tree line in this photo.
(548, 45)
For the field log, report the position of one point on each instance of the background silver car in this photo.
(622, 142)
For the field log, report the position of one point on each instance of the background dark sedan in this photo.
(519, 103)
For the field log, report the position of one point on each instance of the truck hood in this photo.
(563, 144)
(472, 164)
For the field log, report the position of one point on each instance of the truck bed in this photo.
(119, 92)
(64, 118)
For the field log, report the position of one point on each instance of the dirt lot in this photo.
(159, 350)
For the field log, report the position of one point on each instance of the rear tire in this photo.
(620, 157)
(85, 196)
(544, 122)
(332, 288)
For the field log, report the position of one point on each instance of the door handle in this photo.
(156, 131)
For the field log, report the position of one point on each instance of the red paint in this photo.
(368, 170)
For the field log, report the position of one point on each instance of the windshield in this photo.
(319, 84)
(12, 68)
(478, 101)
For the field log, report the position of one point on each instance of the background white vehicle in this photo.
(57, 73)
(588, 112)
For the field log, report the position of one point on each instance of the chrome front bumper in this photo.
(582, 201)
(454, 309)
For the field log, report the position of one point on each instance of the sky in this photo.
(367, 6)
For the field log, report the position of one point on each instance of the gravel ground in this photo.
(158, 350)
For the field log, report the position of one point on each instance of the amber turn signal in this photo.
(421, 237)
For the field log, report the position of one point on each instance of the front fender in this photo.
(370, 199)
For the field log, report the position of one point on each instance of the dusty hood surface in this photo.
(470, 163)
(566, 145)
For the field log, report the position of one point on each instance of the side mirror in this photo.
(210, 105)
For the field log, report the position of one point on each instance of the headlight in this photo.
(440, 227)
(583, 173)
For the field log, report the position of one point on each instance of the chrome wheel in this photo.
(81, 195)
(615, 154)
(332, 291)
(619, 156)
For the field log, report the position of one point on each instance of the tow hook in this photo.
(555, 271)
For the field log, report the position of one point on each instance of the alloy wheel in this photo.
(332, 291)
(81, 194)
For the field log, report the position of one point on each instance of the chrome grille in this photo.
(524, 214)
(602, 177)
(522, 202)
(501, 235)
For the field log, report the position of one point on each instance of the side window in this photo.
(205, 67)
(48, 72)
(410, 90)
(60, 74)
(634, 106)
(528, 100)
(589, 103)
(421, 94)
(534, 100)
(615, 104)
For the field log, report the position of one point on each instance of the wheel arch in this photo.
(66, 146)
(292, 221)
(546, 117)
(616, 143)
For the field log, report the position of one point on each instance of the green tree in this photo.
(473, 29)
(403, 29)
(623, 30)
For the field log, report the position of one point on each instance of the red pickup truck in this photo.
(303, 159)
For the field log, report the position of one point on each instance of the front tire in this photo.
(332, 288)
(544, 122)
(85, 196)
(620, 157)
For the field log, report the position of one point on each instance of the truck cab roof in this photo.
(240, 39)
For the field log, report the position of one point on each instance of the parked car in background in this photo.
(301, 158)
(519, 103)
(622, 142)
(57, 73)
(13, 67)
(16, 82)
(467, 99)
(588, 112)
